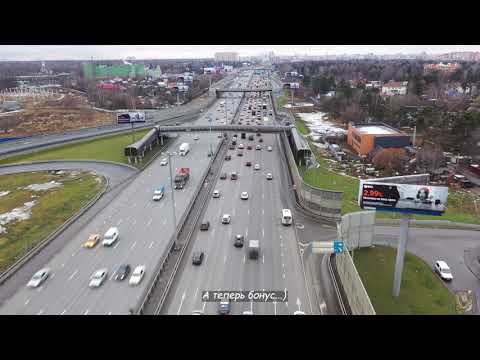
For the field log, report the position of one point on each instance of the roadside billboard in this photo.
(404, 198)
(131, 117)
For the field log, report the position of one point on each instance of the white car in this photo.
(216, 194)
(164, 162)
(226, 219)
(157, 195)
(258, 147)
(241, 146)
(244, 195)
(269, 176)
(443, 270)
(257, 167)
(196, 137)
(248, 312)
(38, 278)
(298, 312)
(269, 148)
(98, 278)
(137, 275)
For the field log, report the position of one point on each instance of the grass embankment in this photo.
(52, 208)
(422, 291)
(460, 206)
(109, 148)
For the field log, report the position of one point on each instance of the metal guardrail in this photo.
(33, 251)
(335, 285)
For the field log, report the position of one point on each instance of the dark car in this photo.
(197, 258)
(228, 157)
(224, 307)
(249, 147)
(223, 176)
(248, 163)
(239, 239)
(122, 272)
(258, 134)
(205, 225)
(250, 138)
(239, 153)
(232, 147)
(233, 176)
(260, 140)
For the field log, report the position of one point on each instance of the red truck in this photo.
(181, 178)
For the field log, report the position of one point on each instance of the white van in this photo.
(110, 236)
(286, 217)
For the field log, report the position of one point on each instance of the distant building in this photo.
(394, 88)
(227, 68)
(210, 70)
(443, 68)
(373, 85)
(154, 73)
(227, 57)
(364, 138)
(134, 71)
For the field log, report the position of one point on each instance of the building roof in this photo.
(376, 129)
(394, 84)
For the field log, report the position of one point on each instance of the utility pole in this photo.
(173, 201)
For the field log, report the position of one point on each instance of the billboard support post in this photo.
(401, 249)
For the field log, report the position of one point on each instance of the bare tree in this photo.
(430, 158)
(389, 160)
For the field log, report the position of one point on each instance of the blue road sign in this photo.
(338, 246)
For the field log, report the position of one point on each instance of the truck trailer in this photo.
(181, 178)
(253, 249)
(184, 149)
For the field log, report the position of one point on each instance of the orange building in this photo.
(363, 138)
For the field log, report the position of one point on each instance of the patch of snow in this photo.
(318, 125)
(21, 213)
(42, 187)
(3, 193)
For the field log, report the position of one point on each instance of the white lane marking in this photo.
(149, 222)
(119, 222)
(63, 312)
(86, 312)
(63, 265)
(299, 303)
(134, 221)
(164, 221)
(263, 260)
(281, 254)
(150, 246)
(263, 196)
(109, 313)
(40, 312)
(133, 245)
(196, 291)
(225, 259)
(281, 244)
(248, 211)
(181, 303)
(280, 236)
(26, 302)
(323, 306)
(203, 308)
(73, 254)
(263, 232)
(283, 275)
(115, 245)
(74, 273)
(246, 233)
(286, 304)
(134, 204)
(263, 211)
(283, 265)
(244, 259)
(52, 276)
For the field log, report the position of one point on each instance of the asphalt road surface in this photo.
(145, 230)
(439, 244)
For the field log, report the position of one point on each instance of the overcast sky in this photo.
(75, 52)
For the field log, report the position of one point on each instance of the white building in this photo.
(373, 85)
(395, 88)
(209, 70)
(227, 57)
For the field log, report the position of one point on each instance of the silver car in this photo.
(39, 277)
(98, 278)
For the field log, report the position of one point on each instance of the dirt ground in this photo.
(53, 116)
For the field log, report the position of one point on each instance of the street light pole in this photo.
(173, 200)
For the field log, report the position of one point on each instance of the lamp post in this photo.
(173, 199)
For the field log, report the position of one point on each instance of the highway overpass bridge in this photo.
(225, 128)
(218, 92)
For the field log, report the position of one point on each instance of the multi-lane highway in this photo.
(226, 267)
(145, 230)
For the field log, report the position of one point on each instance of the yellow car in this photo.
(92, 241)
